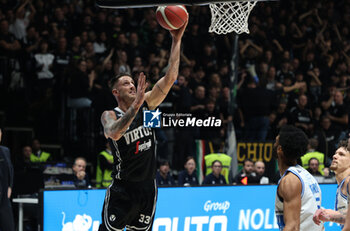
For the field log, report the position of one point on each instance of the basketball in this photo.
(171, 17)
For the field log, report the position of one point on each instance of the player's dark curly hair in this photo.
(293, 142)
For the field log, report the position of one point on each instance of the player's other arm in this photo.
(115, 128)
(328, 215)
(332, 215)
(162, 87)
(290, 190)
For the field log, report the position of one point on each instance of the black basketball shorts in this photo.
(129, 204)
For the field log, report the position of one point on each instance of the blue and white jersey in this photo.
(341, 200)
(310, 200)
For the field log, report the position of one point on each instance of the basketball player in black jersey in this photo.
(131, 198)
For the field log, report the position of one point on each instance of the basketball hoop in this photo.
(227, 17)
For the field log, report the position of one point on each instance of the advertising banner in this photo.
(258, 151)
(216, 208)
(72, 210)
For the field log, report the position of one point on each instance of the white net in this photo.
(230, 16)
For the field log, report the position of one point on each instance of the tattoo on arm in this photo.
(120, 126)
(340, 219)
(124, 122)
(160, 89)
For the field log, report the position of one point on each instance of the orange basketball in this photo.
(171, 17)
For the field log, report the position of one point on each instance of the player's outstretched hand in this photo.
(321, 215)
(177, 34)
(316, 218)
(140, 92)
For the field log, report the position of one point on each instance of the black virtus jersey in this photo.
(134, 152)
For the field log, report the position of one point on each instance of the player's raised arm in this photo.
(115, 128)
(290, 190)
(162, 87)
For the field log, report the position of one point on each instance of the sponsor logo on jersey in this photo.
(112, 217)
(143, 147)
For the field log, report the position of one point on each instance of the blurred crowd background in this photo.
(56, 58)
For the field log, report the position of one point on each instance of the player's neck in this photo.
(283, 166)
(124, 106)
(340, 176)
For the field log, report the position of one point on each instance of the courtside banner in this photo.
(216, 208)
(72, 210)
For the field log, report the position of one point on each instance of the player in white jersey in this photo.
(341, 166)
(347, 219)
(298, 193)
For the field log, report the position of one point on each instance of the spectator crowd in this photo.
(57, 57)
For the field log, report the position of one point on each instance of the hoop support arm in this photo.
(119, 4)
